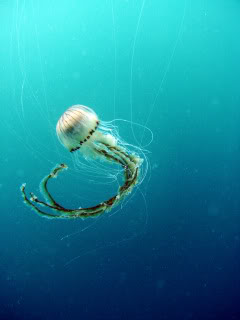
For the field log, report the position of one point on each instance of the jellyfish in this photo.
(80, 131)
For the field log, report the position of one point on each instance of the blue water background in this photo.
(172, 251)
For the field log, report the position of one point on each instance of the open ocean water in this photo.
(168, 72)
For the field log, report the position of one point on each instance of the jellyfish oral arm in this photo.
(116, 154)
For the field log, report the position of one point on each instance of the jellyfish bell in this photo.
(75, 126)
(80, 131)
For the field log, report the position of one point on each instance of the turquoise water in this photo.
(167, 69)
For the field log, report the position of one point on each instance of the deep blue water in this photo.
(172, 250)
